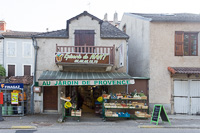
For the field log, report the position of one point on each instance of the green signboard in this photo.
(159, 111)
(85, 82)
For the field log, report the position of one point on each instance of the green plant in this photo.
(2, 71)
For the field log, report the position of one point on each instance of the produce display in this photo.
(110, 113)
(122, 96)
(129, 105)
(114, 103)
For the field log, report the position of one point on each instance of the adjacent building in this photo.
(165, 48)
(17, 52)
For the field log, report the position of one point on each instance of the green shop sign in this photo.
(85, 82)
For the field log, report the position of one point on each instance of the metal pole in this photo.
(1, 118)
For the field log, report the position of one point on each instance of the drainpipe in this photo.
(34, 73)
(3, 53)
(127, 63)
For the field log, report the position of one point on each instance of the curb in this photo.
(153, 126)
(149, 126)
(23, 127)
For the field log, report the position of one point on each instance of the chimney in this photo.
(115, 18)
(105, 17)
(2, 26)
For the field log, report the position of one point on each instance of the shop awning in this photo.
(57, 78)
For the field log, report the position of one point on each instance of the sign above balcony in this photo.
(83, 58)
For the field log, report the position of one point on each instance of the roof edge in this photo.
(138, 16)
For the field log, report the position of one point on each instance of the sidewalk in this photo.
(177, 121)
(51, 121)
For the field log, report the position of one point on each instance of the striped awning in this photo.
(57, 75)
(69, 78)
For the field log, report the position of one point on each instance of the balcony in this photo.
(85, 55)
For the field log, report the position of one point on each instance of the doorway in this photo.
(50, 98)
(187, 96)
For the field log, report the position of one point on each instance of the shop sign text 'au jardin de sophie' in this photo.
(91, 58)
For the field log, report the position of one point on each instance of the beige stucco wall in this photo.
(162, 56)
(138, 45)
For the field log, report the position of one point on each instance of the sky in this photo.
(38, 15)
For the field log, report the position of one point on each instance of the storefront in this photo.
(80, 63)
(14, 99)
(90, 85)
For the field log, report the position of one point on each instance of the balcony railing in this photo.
(110, 50)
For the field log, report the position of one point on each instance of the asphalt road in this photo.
(101, 129)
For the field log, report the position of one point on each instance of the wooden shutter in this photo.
(179, 43)
(11, 70)
(27, 70)
(83, 37)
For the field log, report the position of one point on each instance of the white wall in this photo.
(1, 52)
(19, 60)
(138, 31)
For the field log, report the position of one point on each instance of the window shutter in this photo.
(179, 42)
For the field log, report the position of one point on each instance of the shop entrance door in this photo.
(50, 98)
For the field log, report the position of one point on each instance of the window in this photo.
(124, 29)
(186, 44)
(27, 49)
(84, 38)
(11, 70)
(11, 49)
(27, 70)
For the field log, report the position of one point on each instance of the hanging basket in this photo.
(67, 105)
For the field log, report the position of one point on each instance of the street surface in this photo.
(102, 129)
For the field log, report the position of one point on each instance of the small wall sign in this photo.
(37, 89)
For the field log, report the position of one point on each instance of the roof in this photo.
(54, 34)
(176, 17)
(110, 31)
(22, 79)
(18, 34)
(85, 13)
(57, 75)
(184, 70)
(107, 30)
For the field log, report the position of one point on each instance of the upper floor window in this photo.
(11, 70)
(11, 49)
(27, 49)
(27, 70)
(186, 43)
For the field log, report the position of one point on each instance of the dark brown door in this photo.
(50, 98)
(11, 70)
(27, 70)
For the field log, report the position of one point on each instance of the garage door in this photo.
(187, 96)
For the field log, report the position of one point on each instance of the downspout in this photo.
(127, 63)
(34, 73)
(3, 53)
